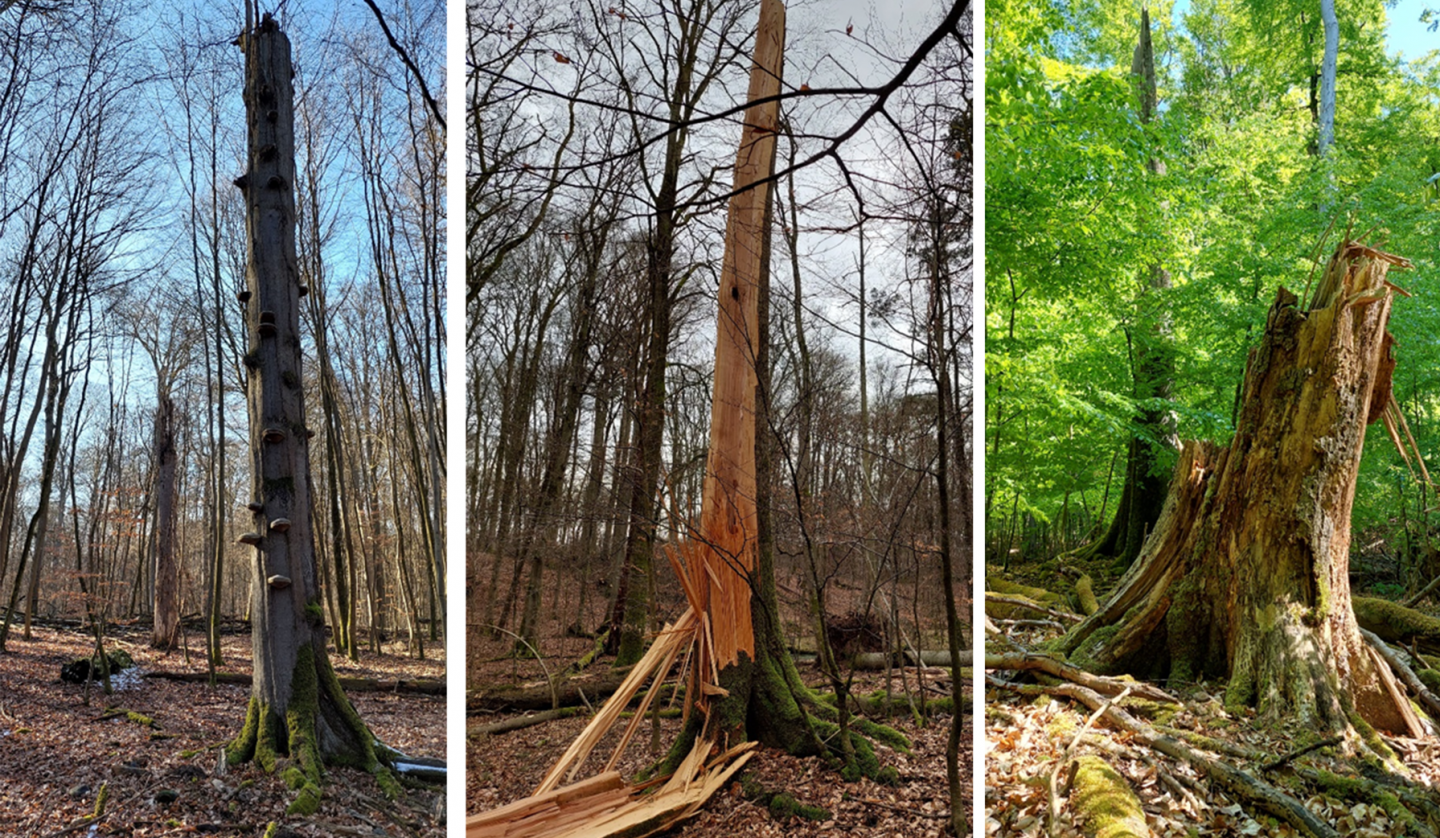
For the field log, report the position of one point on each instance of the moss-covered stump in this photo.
(1394, 623)
(1103, 803)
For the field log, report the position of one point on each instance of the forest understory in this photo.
(1046, 735)
(156, 751)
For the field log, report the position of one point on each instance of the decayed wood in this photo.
(1246, 573)
(727, 511)
(1404, 672)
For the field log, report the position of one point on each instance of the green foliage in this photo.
(1074, 217)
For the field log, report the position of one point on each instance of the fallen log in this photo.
(520, 722)
(1394, 623)
(1029, 605)
(1103, 801)
(879, 660)
(423, 686)
(596, 687)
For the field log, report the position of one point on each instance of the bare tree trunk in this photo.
(166, 628)
(297, 707)
(1327, 76)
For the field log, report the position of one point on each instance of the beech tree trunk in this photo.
(1247, 573)
(297, 707)
(1153, 369)
(166, 629)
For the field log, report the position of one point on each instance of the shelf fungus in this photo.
(255, 506)
(251, 538)
(278, 583)
(243, 296)
(273, 435)
(267, 330)
(280, 524)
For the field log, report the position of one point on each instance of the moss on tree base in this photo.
(290, 742)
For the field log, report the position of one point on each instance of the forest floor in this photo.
(56, 753)
(1031, 741)
(501, 768)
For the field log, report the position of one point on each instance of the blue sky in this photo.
(1406, 35)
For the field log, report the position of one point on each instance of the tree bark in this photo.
(297, 706)
(1326, 133)
(166, 628)
(1247, 574)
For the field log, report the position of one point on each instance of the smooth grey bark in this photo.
(1327, 76)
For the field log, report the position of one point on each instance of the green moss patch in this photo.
(1104, 803)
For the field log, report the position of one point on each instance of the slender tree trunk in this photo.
(166, 628)
(1153, 368)
(1327, 77)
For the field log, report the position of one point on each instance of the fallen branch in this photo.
(1412, 601)
(1240, 784)
(1022, 602)
(1428, 698)
(1300, 752)
(1061, 669)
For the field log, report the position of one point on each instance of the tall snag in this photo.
(1246, 575)
(297, 707)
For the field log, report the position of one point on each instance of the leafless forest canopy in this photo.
(600, 141)
(123, 432)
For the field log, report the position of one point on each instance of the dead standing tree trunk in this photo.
(166, 602)
(297, 707)
(1247, 573)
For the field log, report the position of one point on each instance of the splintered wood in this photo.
(605, 805)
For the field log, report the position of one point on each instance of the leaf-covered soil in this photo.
(56, 754)
(504, 767)
(1031, 740)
